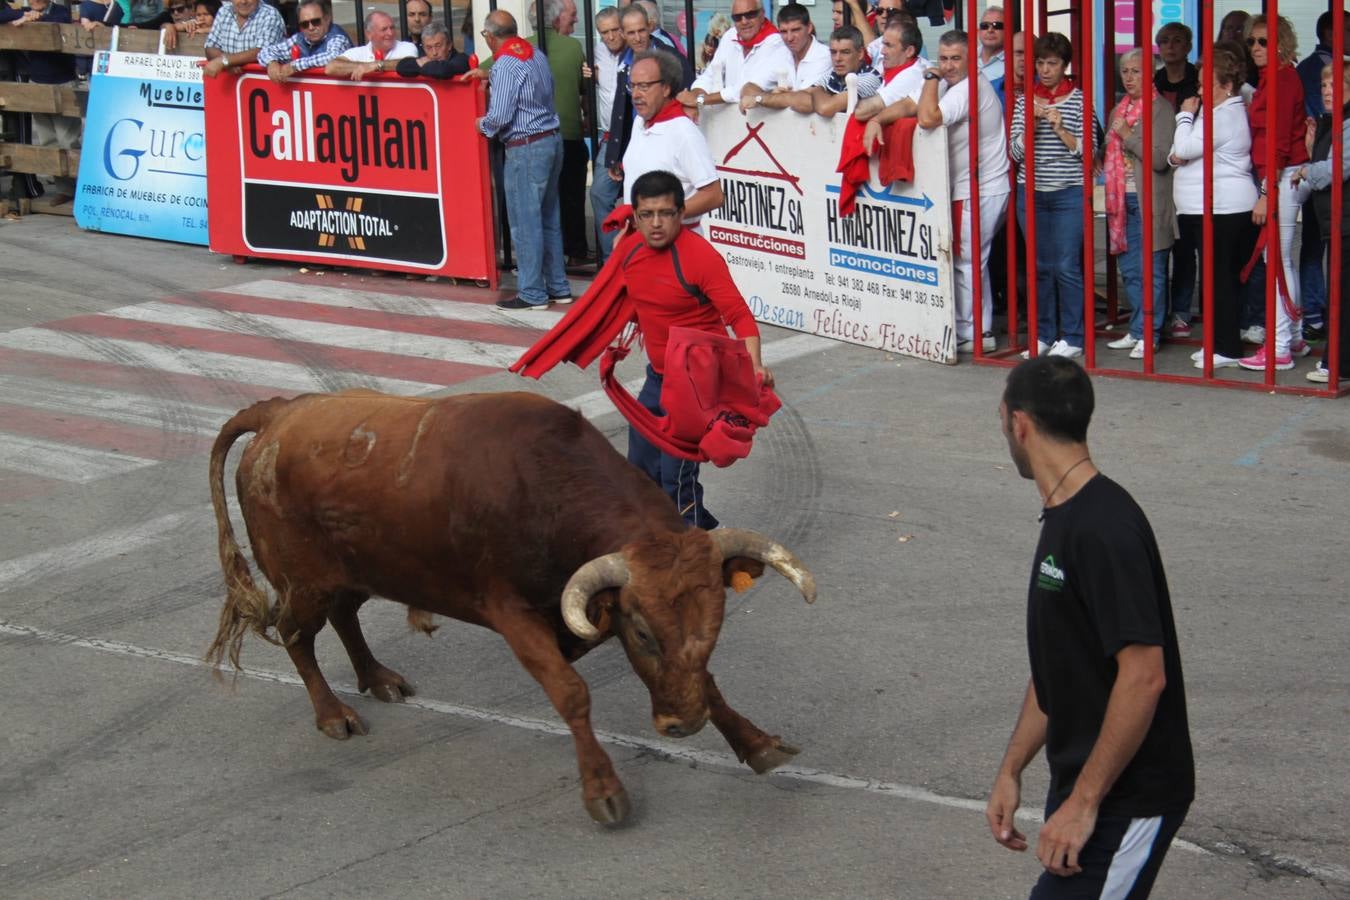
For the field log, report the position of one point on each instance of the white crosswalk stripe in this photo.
(76, 465)
(130, 409)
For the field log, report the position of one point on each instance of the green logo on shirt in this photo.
(1050, 576)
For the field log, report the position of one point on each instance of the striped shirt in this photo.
(1057, 167)
(521, 100)
(869, 82)
(311, 56)
(262, 29)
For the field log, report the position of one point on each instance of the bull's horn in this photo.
(606, 571)
(741, 542)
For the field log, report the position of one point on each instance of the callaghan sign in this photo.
(358, 173)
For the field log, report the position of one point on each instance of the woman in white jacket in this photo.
(1235, 195)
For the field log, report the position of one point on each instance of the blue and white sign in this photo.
(143, 164)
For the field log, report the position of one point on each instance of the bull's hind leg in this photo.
(305, 619)
(535, 643)
(762, 752)
(382, 682)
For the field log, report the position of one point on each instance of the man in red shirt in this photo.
(675, 277)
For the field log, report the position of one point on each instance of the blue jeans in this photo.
(1312, 282)
(1132, 270)
(1059, 262)
(531, 181)
(605, 194)
(677, 477)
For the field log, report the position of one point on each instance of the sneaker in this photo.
(517, 303)
(565, 298)
(988, 342)
(1197, 356)
(1041, 349)
(1257, 362)
(1254, 334)
(1123, 343)
(1319, 375)
(1180, 328)
(1137, 352)
(1299, 349)
(1314, 331)
(966, 346)
(1065, 349)
(1220, 361)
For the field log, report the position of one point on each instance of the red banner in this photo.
(375, 174)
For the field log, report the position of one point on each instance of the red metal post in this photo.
(1272, 181)
(1109, 92)
(1010, 232)
(1145, 190)
(973, 122)
(1207, 107)
(1089, 181)
(1029, 164)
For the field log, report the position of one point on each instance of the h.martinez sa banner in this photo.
(880, 277)
(143, 163)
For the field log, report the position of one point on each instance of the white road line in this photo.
(63, 462)
(165, 414)
(697, 758)
(220, 366)
(350, 337)
(397, 304)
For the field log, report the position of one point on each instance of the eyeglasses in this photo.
(890, 13)
(644, 85)
(647, 215)
(747, 16)
(1252, 42)
(991, 26)
(311, 23)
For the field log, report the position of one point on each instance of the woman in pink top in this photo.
(1289, 126)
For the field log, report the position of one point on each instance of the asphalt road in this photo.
(128, 770)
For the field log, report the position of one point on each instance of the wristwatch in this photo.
(930, 75)
(759, 99)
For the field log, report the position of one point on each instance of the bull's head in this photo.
(665, 597)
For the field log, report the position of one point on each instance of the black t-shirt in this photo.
(1097, 585)
(1177, 91)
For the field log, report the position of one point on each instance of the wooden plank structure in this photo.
(65, 100)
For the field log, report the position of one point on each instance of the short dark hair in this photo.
(213, 6)
(908, 29)
(1054, 44)
(325, 6)
(1324, 24)
(954, 38)
(847, 33)
(658, 183)
(1056, 393)
(794, 12)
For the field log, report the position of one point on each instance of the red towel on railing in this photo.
(897, 154)
(852, 165)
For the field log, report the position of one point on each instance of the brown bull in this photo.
(509, 511)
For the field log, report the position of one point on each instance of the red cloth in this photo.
(672, 110)
(1289, 147)
(765, 32)
(897, 154)
(517, 47)
(852, 165)
(889, 74)
(378, 54)
(1050, 95)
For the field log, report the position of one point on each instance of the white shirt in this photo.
(606, 81)
(365, 53)
(908, 83)
(879, 61)
(675, 145)
(1234, 190)
(993, 70)
(954, 105)
(814, 66)
(768, 64)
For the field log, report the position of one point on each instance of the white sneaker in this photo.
(1220, 361)
(1197, 356)
(1254, 334)
(1065, 349)
(1137, 352)
(1320, 375)
(1123, 343)
(989, 342)
(1041, 349)
(965, 345)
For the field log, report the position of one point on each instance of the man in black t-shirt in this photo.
(1106, 698)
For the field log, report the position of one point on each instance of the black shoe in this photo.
(518, 303)
(1313, 332)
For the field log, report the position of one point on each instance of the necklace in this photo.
(1058, 485)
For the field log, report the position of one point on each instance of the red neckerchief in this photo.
(1062, 89)
(295, 50)
(517, 47)
(892, 72)
(672, 110)
(378, 54)
(765, 32)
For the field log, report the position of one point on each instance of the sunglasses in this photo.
(1252, 42)
(890, 13)
(991, 26)
(178, 10)
(747, 16)
(310, 23)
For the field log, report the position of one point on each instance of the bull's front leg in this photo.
(762, 752)
(535, 644)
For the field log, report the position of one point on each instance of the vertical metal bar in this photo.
(1145, 191)
(360, 22)
(540, 25)
(597, 164)
(403, 19)
(689, 20)
(1273, 259)
(1029, 164)
(1335, 299)
(973, 124)
(1207, 108)
(1089, 229)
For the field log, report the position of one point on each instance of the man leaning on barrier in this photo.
(439, 57)
(380, 54)
(241, 29)
(810, 61)
(753, 51)
(901, 82)
(315, 45)
(829, 96)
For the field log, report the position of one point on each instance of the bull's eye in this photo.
(643, 637)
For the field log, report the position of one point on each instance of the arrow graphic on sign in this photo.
(887, 197)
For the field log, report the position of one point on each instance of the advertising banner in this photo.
(880, 277)
(386, 173)
(143, 166)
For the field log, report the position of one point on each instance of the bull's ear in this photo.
(601, 609)
(739, 572)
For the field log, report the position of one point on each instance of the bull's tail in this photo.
(247, 606)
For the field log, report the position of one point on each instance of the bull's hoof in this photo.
(771, 756)
(387, 685)
(609, 810)
(343, 725)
